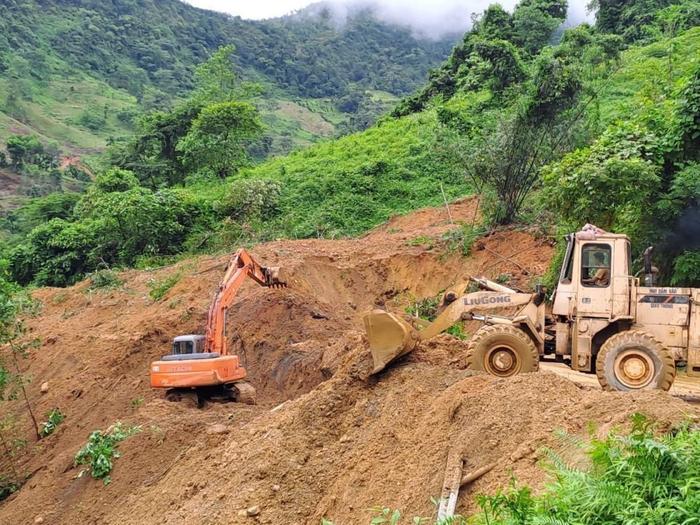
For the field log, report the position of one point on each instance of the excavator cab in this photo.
(186, 345)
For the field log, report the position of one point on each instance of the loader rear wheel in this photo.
(635, 360)
(502, 351)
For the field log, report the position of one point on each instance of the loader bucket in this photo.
(389, 337)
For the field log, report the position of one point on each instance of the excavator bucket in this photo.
(389, 337)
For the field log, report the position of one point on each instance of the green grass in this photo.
(649, 71)
(159, 288)
(347, 186)
(55, 107)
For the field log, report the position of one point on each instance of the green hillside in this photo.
(552, 130)
(78, 71)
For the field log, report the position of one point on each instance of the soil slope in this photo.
(326, 439)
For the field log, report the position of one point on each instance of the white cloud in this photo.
(432, 17)
(252, 9)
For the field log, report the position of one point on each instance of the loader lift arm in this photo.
(390, 336)
(241, 266)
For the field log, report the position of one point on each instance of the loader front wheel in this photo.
(634, 360)
(502, 351)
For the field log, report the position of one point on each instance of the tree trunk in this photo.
(24, 395)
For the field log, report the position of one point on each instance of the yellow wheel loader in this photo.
(602, 320)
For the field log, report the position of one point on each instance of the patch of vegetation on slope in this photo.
(349, 185)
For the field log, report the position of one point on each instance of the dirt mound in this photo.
(340, 441)
(355, 443)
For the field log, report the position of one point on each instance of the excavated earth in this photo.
(326, 439)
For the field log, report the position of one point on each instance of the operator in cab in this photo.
(601, 277)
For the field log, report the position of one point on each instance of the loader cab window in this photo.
(567, 267)
(595, 265)
(183, 347)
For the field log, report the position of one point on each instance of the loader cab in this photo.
(188, 344)
(595, 278)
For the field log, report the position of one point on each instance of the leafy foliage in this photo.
(53, 419)
(150, 48)
(219, 136)
(686, 269)
(609, 184)
(635, 478)
(159, 288)
(641, 21)
(104, 279)
(100, 451)
(492, 51)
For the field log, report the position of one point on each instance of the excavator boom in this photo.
(241, 266)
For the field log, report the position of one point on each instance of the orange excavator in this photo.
(199, 366)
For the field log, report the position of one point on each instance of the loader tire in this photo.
(635, 360)
(502, 351)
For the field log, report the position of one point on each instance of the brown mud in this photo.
(326, 439)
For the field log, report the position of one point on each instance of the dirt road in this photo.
(684, 387)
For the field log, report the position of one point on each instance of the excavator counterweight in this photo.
(201, 364)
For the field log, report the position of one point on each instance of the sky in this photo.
(431, 17)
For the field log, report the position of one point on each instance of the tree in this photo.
(535, 21)
(219, 137)
(114, 180)
(23, 149)
(216, 81)
(14, 346)
(152, 155)
(610, 183)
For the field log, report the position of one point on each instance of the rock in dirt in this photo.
(44, 388)
(217, 429)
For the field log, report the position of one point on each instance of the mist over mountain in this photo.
(427, 18)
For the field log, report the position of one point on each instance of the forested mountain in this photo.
(552, 127)
(78, 71)
(137, 45)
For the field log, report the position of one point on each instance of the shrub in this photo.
(635, 478)
(104, 279)
(101, 450)
(162, 287)
(252, 199)
(8, 486)
(686, 269)
(93, 119)
(54, 418)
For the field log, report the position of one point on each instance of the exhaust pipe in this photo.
(649, 273)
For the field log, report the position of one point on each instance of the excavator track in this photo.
(243, 392)
(187, 396)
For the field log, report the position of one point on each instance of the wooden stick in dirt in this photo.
(476, 474)
(451, 484)
(449, 213)
(507, 259)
